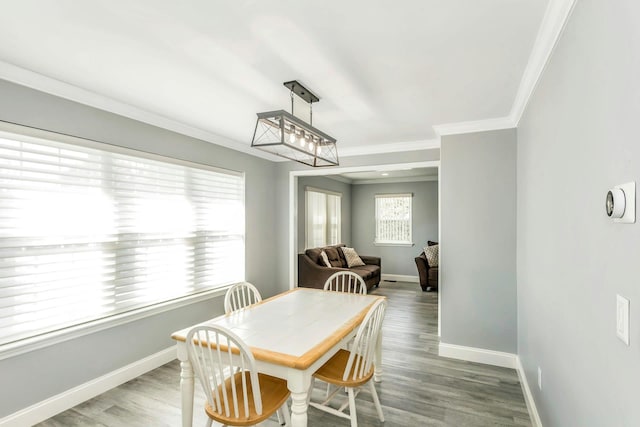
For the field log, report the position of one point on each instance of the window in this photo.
(393, 219)
(323, 217)
(89, 233)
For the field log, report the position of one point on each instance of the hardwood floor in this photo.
(419, 387)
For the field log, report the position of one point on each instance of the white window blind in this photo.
(393, 219)
(323, 218)
(88, 233)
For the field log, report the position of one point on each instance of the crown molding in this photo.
(393, 147)
(340, 179)
(474, 126)
(33, 80)
(395, 180)
(553, 23)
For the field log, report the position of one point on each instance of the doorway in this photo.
(294, 218)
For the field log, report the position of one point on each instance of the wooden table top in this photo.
(297, 327)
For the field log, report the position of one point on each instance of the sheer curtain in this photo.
(323, 218)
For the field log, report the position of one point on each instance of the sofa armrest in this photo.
(370, 260)
(422, 258)
(312, 275)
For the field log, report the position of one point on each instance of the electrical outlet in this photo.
(539, 378)
(622, 319)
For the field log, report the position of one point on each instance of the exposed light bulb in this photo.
(302, 139)
(311, 146)
(319, 149)
(292, 137)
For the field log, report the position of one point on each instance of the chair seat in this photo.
(333, 370)
(274, 394)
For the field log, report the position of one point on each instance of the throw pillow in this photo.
(352, 257)
(325, 259)
(432, 252)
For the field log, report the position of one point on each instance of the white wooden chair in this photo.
(352, 369)
(237, 395)
(346, 281)
(241, 295)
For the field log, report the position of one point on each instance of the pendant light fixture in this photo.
(285, 135)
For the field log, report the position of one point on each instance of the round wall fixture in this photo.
(615, 203)
(621, 203)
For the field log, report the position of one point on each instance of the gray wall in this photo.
(478, 232)
(324, 183)
(577, 138)
(62, 366)
(395, 259)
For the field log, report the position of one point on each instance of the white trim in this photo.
(551, 28)
(34, 343)
(392, 147)
(395, 180)
(401, 278)
(553, 23)
(528, 396)
(392, 195)
(341, 179)
(474, 126)
(322, 190)
(440, 282)
(68, 399)
(401, 244)
(479, 355)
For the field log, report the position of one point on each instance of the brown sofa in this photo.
(312, 273)
(428, 275)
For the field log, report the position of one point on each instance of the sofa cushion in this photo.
(314, 254)
(366, 271)
(352, 257)
(325, 259)
(334, 256)
(431, 253)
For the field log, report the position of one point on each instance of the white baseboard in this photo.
(528, 396)
(70, 398)
(401, 278)
(480, 355)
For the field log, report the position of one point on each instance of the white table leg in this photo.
(186, 386)
(377, 372)
(298, 383)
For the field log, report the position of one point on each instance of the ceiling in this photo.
(387, 72)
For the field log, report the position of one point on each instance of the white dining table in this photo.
(291, 335)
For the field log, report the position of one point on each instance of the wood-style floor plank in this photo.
(419, 388)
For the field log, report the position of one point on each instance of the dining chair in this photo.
(346, 281)
(241, 295)
(353, 369)
(237, 394)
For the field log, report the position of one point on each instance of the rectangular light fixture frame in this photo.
(273, 134)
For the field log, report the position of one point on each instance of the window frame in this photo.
(46, 339)
(399, 243)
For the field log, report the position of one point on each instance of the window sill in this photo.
(34, 343)
(406, 245)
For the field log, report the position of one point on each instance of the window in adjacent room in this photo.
(90, 231)
(393, 219)
(323, 217)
